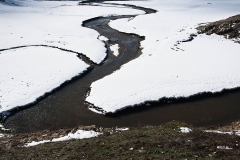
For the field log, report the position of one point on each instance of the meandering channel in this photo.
(65, 108)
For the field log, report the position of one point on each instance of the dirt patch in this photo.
(229, 28)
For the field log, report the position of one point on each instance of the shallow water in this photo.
(201, 112)
(65, 108)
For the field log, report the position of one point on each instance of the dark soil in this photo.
(148, 142)
(229, 28)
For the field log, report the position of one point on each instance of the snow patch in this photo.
(1, 135)
(34, 143)
(237, 132)
(185, 130)
(170, 67)
(103, 38)
(28, 73)
(114, 48)
(79, 134)
(94, 110)
(224, 147)
(122, 129)
(3, 129)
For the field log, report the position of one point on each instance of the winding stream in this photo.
(65, 107)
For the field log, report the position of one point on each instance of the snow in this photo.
(114, 48)
(237, 132)
(1, 135)
(122, 129)
(169, 68)
(185, 129)
(102, 38)
(131, 149)
(224, 147)
(79, 134)
(33, 143)
(3, 129)
(55, 24)
(28, 73)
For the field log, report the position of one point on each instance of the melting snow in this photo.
(79, 134)
(115, 48)
(185, 130)
(1, 135)
(169, 67)
(122, 129)
(224, 147)
(237, 132)
(28, 73)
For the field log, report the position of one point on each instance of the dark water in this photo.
(65, 108)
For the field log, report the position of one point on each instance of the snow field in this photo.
(55, 24)
(168, 67)
(29, 73)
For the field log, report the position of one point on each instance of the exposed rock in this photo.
(229, 28)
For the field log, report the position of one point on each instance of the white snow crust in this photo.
(79, 134)
(54, 23)
(102, 38)
(236, 132)
(224, 147)
(185, 129)
(122, 129)
(3, 129)
(34, 143)
(114, 48)
(28, 73)
(169, 68)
